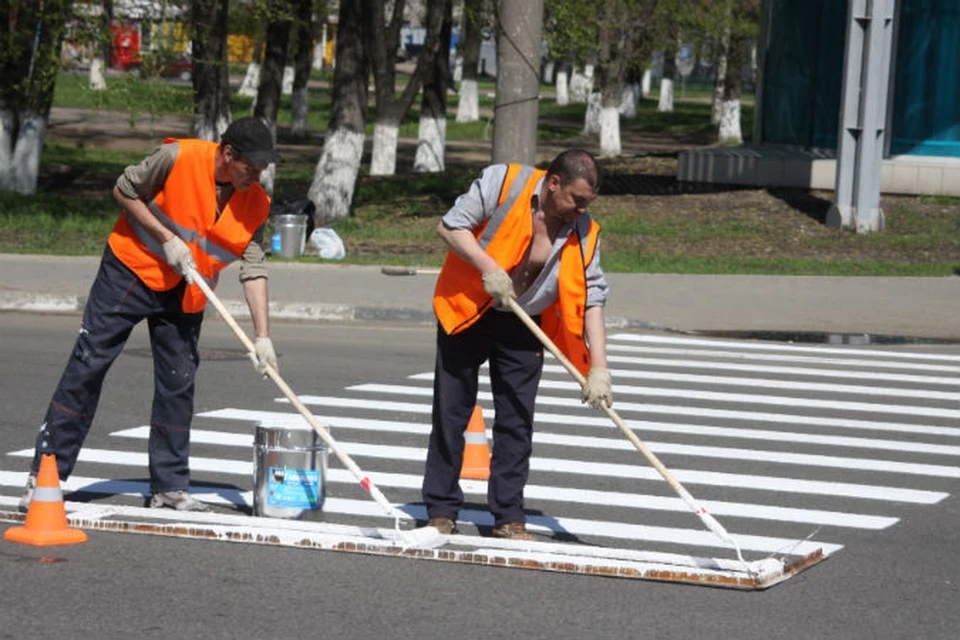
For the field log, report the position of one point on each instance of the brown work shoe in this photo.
(512, 531)
(446, 526)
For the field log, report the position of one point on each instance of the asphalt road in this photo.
(899, 581)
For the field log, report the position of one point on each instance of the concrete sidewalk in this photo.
(914, 307)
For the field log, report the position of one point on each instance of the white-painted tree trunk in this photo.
(468, 107)
(204, 129)
(251, 81)
(430, 145)
(609, 131)
(20, 158)
(7, 126)
(591, 120)
(286, 86)
(383, 157)
(299, 110)
(98, 80)
(563, 88)
(645, 83)
(666, 96)
(458, 69)
(629, 98)
(268, 177)
(581, 84)
(730, 122)
(336, 176)
(549, 70)
(716, 107)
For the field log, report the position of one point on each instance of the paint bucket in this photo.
(289, 472)
(288, 234)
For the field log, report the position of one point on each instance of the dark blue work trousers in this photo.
(118, 301)
(516, 363)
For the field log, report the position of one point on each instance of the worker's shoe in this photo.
(512, 531)
(446, 526)
(179, 500)
(27, 496)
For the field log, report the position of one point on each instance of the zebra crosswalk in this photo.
(790, 446)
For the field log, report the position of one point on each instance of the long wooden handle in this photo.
(348, 462)
(697, 508)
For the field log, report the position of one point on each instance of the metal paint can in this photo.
(289, 472)
(289, 234)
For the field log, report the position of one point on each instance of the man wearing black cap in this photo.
(190, 205)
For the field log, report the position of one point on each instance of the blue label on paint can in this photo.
(275, 245)
(293, 488)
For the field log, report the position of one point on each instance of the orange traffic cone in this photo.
(46, 522)
(476, 452)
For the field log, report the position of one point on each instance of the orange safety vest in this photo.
(187, 205)
(460, 299)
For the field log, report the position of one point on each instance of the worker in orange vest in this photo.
(522, 233)
(190, 205)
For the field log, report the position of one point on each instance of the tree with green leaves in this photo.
(31, 34)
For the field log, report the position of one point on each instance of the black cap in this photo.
(252, 138)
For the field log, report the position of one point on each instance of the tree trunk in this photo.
(432, 135)
(468, 108)
(32, 34)
(519, 29)
(302, 63)
(336, 173)
(591, 118)
(715, 111)
(98, 79)
(211, 86)
(390, 109)
(101, 50)
(274, 62)
(563, 86)
(669, 77)
(581, 84)
(730, 131)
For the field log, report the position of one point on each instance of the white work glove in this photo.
(178, 255)
(265, 356)
(597, 388)
(498, 284)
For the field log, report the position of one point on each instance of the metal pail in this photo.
(289, 472)
(288, 235)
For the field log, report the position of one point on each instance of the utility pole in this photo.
(863, 116)
(519, 35)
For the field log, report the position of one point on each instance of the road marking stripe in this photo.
(792, 385)
(647, 409)
(479, 488)
(756, 346)
(554, 465)
(593, 442)
(679, 352)
(689, 394)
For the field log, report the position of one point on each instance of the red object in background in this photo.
(125, 52)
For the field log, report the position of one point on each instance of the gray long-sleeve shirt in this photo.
(479, 203)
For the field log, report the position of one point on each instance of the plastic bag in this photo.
(328, 243)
